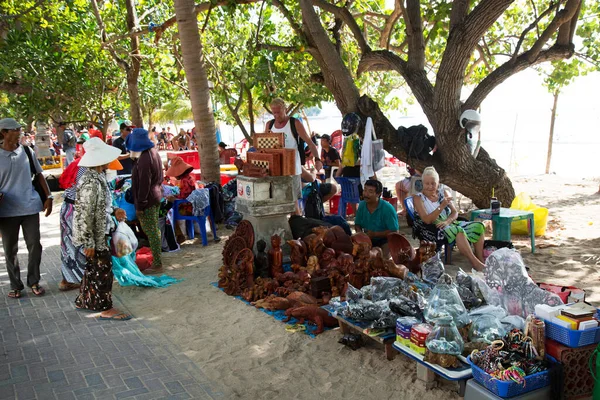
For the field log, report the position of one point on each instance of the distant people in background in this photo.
(222, 147)
(146, 186)
(329, 155)
(68, 141)
(162, 139)
(26, 140)
(125, 129)
(20, 205)
(403, 187)
(181, 141)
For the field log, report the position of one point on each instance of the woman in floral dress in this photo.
(92, 223)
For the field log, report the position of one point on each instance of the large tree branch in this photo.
(414, 31)
(534, 24)
(567, 31)
(383, 60)
(346, 16)
(336, 75)
(510, 68)
(562, 17)
(459, 12)
(461, 41)
(390, 22)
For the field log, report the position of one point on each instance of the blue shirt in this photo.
(384, 217)
(20, 198)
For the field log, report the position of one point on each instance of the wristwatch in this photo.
(51, 197)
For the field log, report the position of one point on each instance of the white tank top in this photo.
(289, 142)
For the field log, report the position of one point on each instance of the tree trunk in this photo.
(150, 111)
(195, 73)
(133, 72)
(250, 109)
(551, 138)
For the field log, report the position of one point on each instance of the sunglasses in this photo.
(128, 129)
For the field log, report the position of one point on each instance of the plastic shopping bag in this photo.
(124, 241)
(540, 216)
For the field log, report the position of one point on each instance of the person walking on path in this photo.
(146, 185)
(92, 223)
(126, 127)
(20, 205)
(68, 141)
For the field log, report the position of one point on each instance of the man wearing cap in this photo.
(20, 205)
(125, 128)
(68, 141)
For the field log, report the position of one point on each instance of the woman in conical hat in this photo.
(92, 223)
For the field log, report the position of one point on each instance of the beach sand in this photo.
(249, 355)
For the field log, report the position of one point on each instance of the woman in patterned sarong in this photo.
(92, 223)
(434, 207)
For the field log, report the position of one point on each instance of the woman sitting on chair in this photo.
(435, 207)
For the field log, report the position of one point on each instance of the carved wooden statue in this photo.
(276, 256)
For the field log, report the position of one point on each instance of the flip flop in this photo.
(14, 294)
(295, 328)
(38, 290)
(117, 317)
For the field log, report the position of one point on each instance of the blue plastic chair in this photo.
(350, 193)
(190, 219)
(409, 206)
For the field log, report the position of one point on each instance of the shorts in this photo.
(297, 186)
(405, 184)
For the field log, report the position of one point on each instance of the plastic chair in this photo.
(409, 206)
(350, 193)
(190, 219)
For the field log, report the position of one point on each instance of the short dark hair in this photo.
(223, 145)
(376, 184)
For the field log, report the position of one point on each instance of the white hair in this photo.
(430, 171)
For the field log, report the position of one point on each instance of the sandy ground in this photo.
(252, 356)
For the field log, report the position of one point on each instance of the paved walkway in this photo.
(49, 350)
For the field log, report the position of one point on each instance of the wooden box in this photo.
(288, 159)
(268, 140)
(272, 162)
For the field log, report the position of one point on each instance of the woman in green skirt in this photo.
(434, 207)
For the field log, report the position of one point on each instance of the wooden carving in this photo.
(288, 159)
(271, 162)
(268, 140)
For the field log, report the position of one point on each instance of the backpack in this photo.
(69, 138)
(297, 137)
(416, 142)
(313, 205)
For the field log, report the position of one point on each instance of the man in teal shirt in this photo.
(375, 217)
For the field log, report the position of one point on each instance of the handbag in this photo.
(377, 153)
(35, 180)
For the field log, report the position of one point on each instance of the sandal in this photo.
(38, 290)
(14, 294)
